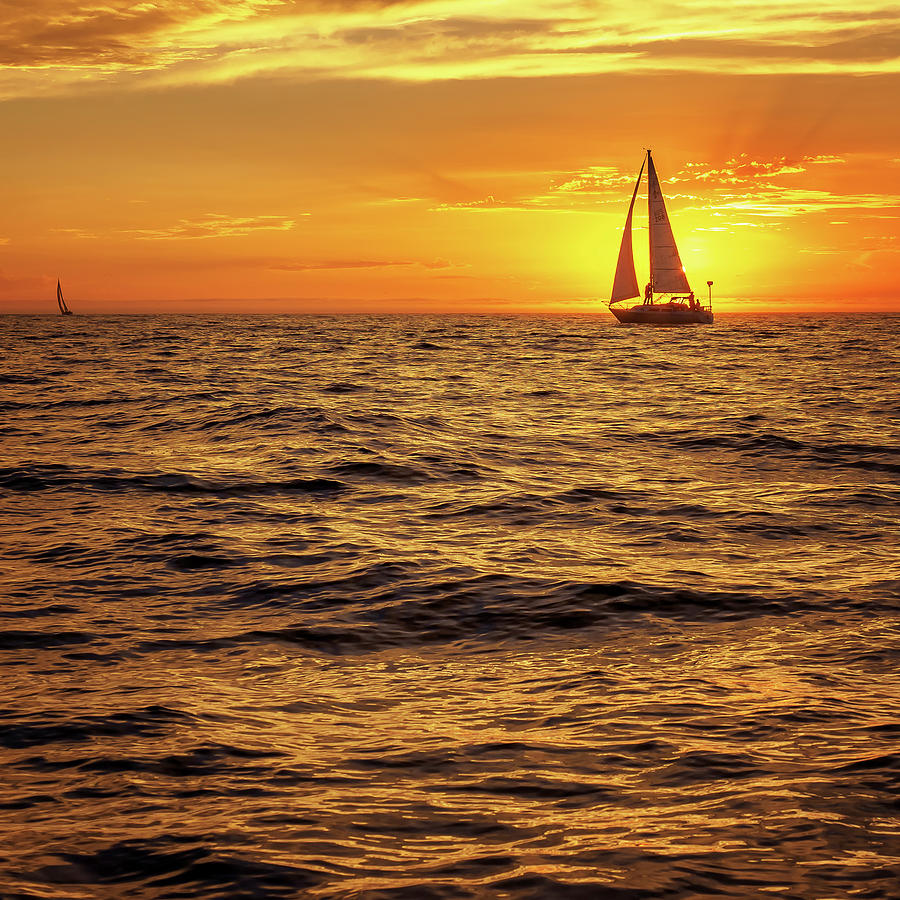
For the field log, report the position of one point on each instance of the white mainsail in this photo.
(666, 272)
(625, 284)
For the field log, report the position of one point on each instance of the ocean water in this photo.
(449, 607)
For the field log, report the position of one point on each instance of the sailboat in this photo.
(61, 301)
(668, 298)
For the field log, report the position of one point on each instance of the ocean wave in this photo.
(62, 728)
(382, 607)
(872, 457)
(190, 864)
(60, 477)
(393, 605)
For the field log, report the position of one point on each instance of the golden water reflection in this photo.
(565, 761)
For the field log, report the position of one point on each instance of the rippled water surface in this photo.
(449, 607)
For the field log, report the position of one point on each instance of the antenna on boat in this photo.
(709, 284)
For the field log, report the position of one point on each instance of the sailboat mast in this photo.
(649, 162)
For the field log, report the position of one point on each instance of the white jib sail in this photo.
(666, 272)
(625, 284)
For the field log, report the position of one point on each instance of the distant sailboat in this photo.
(667, 276)
(61, 302)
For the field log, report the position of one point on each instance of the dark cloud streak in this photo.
(357, 264)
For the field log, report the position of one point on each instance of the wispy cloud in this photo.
(489, 202)
(213, 225)
(743, 187)
(732, 225)
(767, 188)
(320, 265)
(736, 171)
(557, 199)
(785, 202)
(594, 180)
(49, 45)
(79, 233)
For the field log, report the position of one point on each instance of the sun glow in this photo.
(442, 155)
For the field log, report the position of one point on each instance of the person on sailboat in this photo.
(648, 293)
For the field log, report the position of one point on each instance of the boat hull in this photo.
(663, 314)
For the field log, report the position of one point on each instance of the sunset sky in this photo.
(450, 155)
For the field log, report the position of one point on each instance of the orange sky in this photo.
(450, 155)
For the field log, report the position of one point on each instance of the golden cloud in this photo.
(213, 225)
(741, 185)
(51, 45)
(780, 203)
(743, 169)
